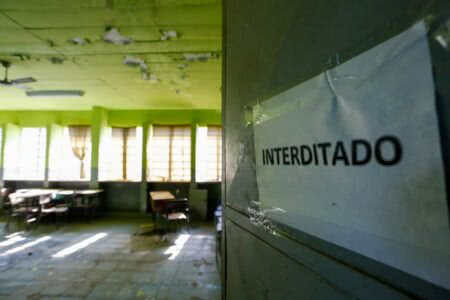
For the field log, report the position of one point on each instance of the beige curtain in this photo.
(78, 140)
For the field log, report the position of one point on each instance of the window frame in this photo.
(149, 154)
(103, 158)
(218, 149)
(17, 176)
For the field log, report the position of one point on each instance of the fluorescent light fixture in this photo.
(55, 93)
(27, 245)
(80, 245)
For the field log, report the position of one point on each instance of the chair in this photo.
(87, 203)
(4, 196)
(158, 204)
(26, 208)
(56, 205)
(80, 207)
(176, 211)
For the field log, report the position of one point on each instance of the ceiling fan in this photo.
(15, 82)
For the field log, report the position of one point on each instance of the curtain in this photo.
(78, 140)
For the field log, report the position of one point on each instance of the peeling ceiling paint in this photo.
(62, 45)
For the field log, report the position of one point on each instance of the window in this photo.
(209, 154)
(70, 154)
(25, 160)
(169, 154)
(122, 154)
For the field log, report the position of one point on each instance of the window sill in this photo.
(69, 180)
(121, 181)
(172, 181)
(24, 179)
(209, 181)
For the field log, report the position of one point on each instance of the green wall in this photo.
(115, 117)
(99, 119)
(43, 118)
(139, 117)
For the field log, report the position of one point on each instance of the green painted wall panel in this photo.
(99, 123)
(43, 118)
(115, 117)
(138, 117)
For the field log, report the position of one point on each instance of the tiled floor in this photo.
(121, 262)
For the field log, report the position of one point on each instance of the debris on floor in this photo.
(121, 265)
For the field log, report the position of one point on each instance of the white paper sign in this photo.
(353, 157)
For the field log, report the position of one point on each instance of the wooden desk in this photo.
(159, 200)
